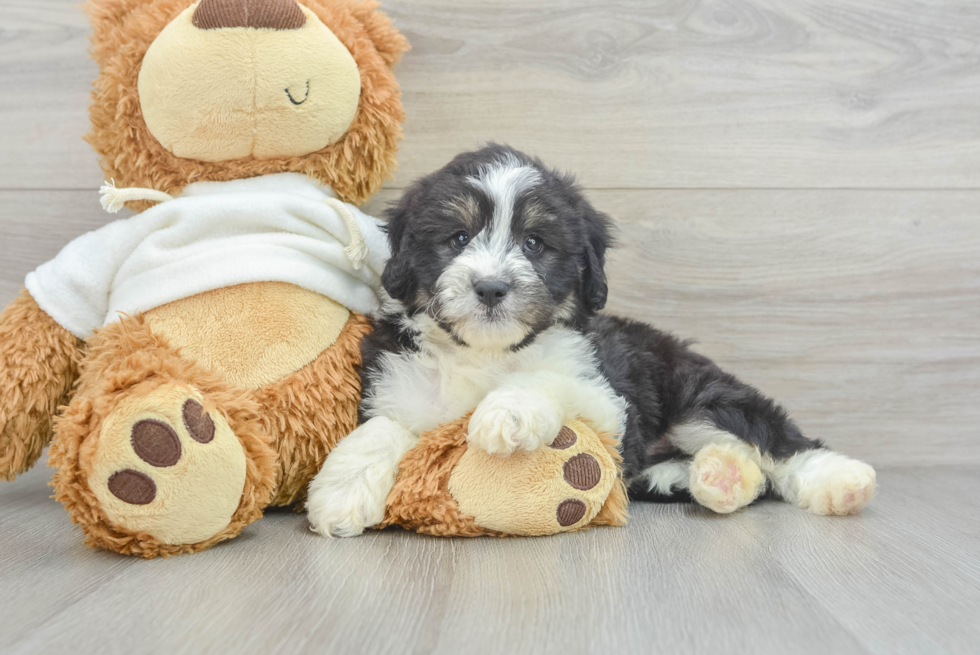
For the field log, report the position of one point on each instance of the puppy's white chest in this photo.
(420, 390)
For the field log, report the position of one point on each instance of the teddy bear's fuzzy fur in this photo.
(421, 499)
(355, 167)
(38, 364)
(286, 427)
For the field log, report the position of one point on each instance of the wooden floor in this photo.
(902, 578)
(797, 186)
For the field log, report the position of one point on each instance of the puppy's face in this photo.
(495, 247)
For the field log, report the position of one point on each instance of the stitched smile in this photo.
(293, 100)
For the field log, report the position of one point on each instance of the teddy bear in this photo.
(195, 363)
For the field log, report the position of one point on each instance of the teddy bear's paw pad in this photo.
(582, 471)
(724, 478)
(165, 465)
(566, 438)
(198, 422)
(156, 443)
(570, 512)
(538, 492)
(132, 487)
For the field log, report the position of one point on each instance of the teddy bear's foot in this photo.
(161, 468)
(165, 465)
(725, 478)
(445, 487)
(555, 488)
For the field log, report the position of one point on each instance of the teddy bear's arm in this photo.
(38, 365)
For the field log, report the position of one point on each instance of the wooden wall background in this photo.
(797, 184)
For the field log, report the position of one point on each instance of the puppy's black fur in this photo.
(664, 382)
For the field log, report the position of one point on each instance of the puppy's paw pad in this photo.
(724, 479)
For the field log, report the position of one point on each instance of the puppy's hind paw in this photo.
(510, 420)
(724, 479)
(841, 492)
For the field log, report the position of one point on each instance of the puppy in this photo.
(495, 281)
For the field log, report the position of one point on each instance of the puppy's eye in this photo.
(459, 240)
(533, 245)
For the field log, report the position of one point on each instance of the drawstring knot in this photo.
(113, 198)
(357, 251)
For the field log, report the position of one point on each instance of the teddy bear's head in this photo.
(193, 90)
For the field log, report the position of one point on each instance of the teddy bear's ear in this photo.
(390, 44)
(120, 23)
(106, 17)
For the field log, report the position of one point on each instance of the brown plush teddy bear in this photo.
(207, 347)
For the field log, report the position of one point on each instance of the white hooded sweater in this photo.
(272, 228)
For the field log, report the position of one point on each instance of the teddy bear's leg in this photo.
(445, 488)
(309, 411)
(155, 454)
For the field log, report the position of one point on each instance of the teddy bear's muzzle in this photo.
(247, 79)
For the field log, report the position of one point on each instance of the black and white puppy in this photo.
(495, 281)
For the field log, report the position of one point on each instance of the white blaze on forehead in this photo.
(503, 182)
(493, 254)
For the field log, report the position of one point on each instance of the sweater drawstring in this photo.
(113, 198)
(357, 251)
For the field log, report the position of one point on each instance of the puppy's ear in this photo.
(398, 278)
(597, 239)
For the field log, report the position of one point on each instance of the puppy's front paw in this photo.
(508, 420)
(344, 505)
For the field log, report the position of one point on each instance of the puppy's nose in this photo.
(267, 14)
(490, 291)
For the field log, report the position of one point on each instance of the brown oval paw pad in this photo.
(570, 512)
(197, 421)
(133, 487)
(156, 443)
(582, 471)
(566, 438)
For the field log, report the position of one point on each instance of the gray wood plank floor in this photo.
(904, 577)
(797, 187)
